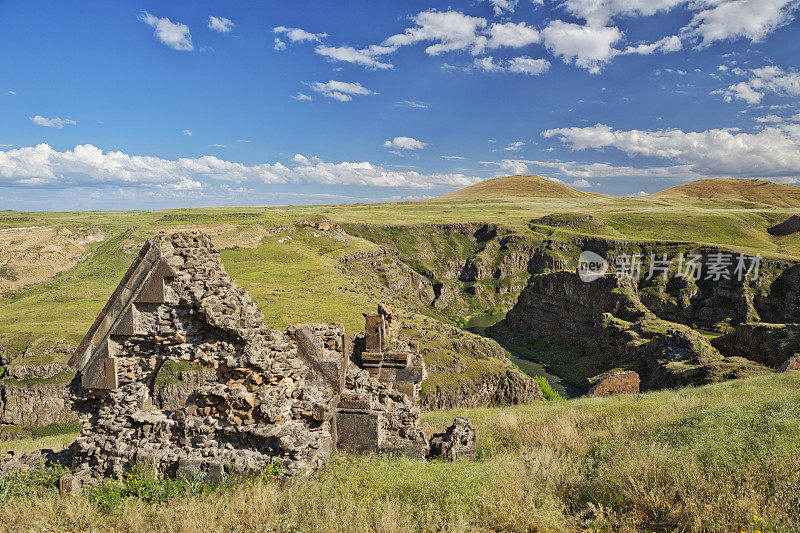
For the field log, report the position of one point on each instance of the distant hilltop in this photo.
(753, 191)
(517, 187)
(740, 190)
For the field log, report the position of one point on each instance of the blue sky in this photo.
(123, 105)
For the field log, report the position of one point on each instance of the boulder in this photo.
(793, 363)
(457, 442)
(615, 384)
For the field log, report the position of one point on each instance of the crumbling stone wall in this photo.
(274, 397)
(385, 356)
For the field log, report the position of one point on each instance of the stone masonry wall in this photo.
(269, 401)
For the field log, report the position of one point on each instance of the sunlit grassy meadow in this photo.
(717, 458)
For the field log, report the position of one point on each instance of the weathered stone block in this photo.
(614, 384)
(100, 373)
(793, 363)
(215, 472)
(188, 468)
(373, 333)
(357, 432)
(68, 484)
(457, 442)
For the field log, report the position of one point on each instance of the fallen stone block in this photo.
(793, 363)
(457, 442)
(617, 383)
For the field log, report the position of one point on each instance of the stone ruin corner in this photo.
(289, 397)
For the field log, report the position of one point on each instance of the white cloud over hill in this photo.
(88, 166)
(771, 152)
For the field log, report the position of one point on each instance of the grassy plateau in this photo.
(717, 458)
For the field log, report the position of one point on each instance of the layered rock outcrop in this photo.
(489, 389)
(37, 404)
(607, 321)
(768, 344)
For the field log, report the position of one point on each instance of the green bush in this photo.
(547, 390)
(28, 481)
(8, 273)
(143, 485)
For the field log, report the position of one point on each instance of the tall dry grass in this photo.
(717, 458)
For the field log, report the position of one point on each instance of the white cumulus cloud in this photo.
(751, 19)
(364, 57)
(527, 65)
(600, 12)
(501, 6)
(296, 35)
(589, 47)
(514, 166)
(52, 122)
(89, 166)
(449, 31)
(405, 143)
(769, 152)
(188, 133)
(769, 79)
(173, 34)
(514, 35)
(220, 24)
(672, 43)
(517, 65)
(340, 90)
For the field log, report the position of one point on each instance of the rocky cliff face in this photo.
(467, 370)
(455, 268)
(769, 344)
(489, 389)
(614, 329)
(461, 269)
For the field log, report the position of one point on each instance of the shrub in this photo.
(8, 273)
(28, 481)
(547, 390)
(143, 485)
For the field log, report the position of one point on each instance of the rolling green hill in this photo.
(709, 458)
(522, 186)
(745, 192)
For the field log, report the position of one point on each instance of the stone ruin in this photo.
(387, 359)
(457, 442)
(288, 397)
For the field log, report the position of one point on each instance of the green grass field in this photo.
(61, 308)
(717, 458)
(722, 457)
